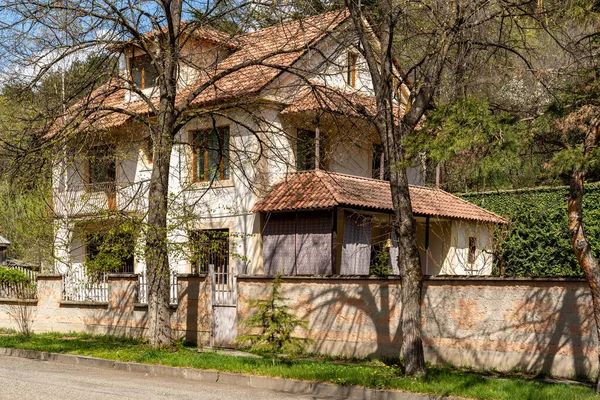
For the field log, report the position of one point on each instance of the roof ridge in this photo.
(319, 174)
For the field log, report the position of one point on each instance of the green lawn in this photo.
(440, 380)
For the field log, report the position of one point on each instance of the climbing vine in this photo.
(536, 242)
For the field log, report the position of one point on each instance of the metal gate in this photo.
(223, 286)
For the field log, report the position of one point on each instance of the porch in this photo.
(324, 223)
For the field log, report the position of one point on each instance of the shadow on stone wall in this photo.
(530, 326)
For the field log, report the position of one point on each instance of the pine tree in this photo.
(276, 324)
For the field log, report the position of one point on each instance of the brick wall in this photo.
(533, 325)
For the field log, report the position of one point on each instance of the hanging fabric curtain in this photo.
(279, 248)
(356, 249)
(394, 254)
(313, 243)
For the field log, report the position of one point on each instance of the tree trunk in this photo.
(391, 132)
(583, 252)
(408, 262)
(157, 259)
(157, 255)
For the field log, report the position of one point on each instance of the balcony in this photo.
(89, 199)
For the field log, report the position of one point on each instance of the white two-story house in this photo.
(278, 167)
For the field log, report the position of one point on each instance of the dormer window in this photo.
(351, 71)
(143, 73)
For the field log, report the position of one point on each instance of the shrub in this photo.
(276, 325)
(10, 276)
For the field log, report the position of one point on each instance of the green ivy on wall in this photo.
(536, 242)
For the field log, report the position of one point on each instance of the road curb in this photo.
(253, 381)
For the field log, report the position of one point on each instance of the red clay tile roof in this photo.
(261, 56)
(336, 100)
(313, 190)
(279, 46)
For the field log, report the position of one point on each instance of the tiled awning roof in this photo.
(349, 103)
(314, 190)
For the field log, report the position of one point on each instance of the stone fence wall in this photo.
(530, 324)
(121, 315)
(534, 325)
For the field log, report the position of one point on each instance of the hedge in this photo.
(536, 242)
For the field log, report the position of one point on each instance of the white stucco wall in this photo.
(220, 204)
(457, 258)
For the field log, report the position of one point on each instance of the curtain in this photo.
(279, 244)
(313, 243)
(356, 249)
(394, 254)
(300, 244)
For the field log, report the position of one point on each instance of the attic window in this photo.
(143, 73)
(351, 71)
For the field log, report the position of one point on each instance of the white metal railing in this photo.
(143, 288)
(83, 199)
(79, 286)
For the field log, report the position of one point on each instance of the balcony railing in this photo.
(85, 199)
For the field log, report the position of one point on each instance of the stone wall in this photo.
(530, 324)
(121, 315)
(533, 325)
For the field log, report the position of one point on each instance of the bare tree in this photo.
(41, 35)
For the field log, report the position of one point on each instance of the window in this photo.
(305, 150)
(472, 250)
(211, 247)
(351, 71)
(211, 154)
(379, 164)
(143, 73)
(102, 168)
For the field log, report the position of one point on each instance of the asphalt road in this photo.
(29, 379)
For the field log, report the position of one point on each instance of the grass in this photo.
(439, 381)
